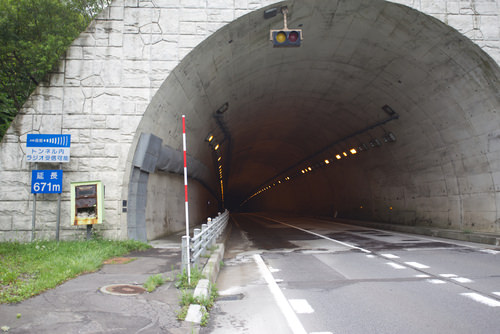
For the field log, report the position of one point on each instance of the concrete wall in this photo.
(108, 78)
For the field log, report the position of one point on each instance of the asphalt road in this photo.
(303, 275)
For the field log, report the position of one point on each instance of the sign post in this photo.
(48, 148)
(188, 269)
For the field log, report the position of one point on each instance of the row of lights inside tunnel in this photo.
(388, 137)
(216, 148)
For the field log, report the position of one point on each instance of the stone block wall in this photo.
(109, 75)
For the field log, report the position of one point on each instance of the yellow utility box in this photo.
(87, 203)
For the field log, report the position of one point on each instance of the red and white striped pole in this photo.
(186, 198)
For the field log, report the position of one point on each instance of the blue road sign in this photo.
(48, 181)
(47, 148)
(43, 140)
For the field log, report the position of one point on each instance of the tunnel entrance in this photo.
(383, 113)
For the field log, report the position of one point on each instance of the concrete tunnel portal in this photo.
(415, 99)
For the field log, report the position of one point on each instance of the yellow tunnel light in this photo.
(327, 161)
(303, 171)
(219, 158)
(338, 157)
(353, 151)
(345, 154)
(309, 168)
(216, 147)
(210, 137)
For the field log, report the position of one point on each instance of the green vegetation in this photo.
(182, 279)
(27, 269)
(153, 282)
(34, 34)
(187, 297)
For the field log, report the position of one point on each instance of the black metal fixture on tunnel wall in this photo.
(314, 161)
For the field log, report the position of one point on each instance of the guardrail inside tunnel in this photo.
(203, 238)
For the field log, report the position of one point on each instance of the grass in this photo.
(27, 269)
(153, 282)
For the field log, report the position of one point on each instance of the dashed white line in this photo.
(422, 276)
(417, 265)
(436, 281)
(396, 266)
(291, 317)
(482, 299)
(390, 256)
(496, 293)
(462, 280)
(301, 306)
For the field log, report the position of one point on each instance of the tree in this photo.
(34, 34)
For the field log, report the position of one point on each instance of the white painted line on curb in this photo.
(396, 266)
(301, 306)
(290, 316)
(482, 299)
(390, 256)
(417, 265)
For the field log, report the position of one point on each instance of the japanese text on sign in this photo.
(48, 148)
(46, 181)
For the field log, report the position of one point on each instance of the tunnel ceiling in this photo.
(286, 104)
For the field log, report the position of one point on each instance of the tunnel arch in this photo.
(290, 109)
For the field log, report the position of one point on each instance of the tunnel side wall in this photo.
(107, 79)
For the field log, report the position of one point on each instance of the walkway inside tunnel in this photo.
(382, 113)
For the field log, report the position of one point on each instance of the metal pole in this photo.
(186, 199)
(33, 216)
(58, 219)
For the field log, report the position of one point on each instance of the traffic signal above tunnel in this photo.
(286, 37)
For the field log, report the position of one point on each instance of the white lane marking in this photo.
(417, 265)
(496, 293)
(290, 316)
(317, 234)
(447, 275)
(321, 333)
(395, 265)
(436, 281)
(462, 280)
(422, 276)
(482, 299)
(489, 251)
(301, 306)
(390, 256)
(370, 256)
(273, 270)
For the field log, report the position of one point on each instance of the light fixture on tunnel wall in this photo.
(389, 137)
(375, 143)
(223, 108)
(353, 151)
(209, 137)
(388, 110)
(216, 146)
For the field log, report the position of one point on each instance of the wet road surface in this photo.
(304, 275)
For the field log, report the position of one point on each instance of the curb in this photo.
(202, 290)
